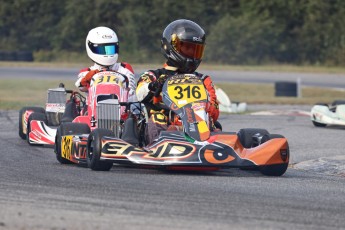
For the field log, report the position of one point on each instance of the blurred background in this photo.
(239, 32)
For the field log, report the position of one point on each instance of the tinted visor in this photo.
(104, 49)
(190, 49)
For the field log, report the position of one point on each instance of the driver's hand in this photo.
(102, 69)
(162, 78)
(154, 85)
(88, 77)
(158, 83)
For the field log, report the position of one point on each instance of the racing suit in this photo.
(146, 87)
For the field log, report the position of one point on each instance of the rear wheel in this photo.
(34, 117)
(277, 169)
(22, 126)
(94, 148)
(64, 129)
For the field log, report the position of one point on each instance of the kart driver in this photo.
(102, 46)
(182, 44)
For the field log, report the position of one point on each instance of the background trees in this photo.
(238, 31)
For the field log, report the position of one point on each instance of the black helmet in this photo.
(183, 44)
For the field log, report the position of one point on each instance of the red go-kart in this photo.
(38, 125)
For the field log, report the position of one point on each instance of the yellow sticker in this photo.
(203, 130)
(186, 93)
(66, 147)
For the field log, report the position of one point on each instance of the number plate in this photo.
(183, 94)
(66, 147)
(107, 78)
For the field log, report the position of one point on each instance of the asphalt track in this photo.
(36, 192)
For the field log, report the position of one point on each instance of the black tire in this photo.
(68, 128)
(246, 136)
(37, 117)
(338, 102)
(277, 169)
(94, 148)
(21, 114)
(317, 124)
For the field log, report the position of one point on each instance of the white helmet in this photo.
(102, 46)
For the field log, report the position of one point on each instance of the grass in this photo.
(15, 94)
(264, 94)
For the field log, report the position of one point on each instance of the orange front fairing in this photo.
(271, 152)
(172, 148)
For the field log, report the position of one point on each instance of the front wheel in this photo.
(94, 148)
(277, 169)
(65, 129)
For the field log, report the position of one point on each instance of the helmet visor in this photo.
(190, 49)
(104, 49)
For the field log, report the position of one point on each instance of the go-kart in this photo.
(38, 125)
(198, 146)
(107, 109)
(323, 114)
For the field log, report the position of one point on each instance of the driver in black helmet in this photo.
(183, 44)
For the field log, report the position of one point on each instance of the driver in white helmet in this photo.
(102, 46)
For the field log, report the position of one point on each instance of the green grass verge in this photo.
(17, 93)
(265, 94)
(14, 93)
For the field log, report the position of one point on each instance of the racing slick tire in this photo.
(246, 136)
(318, 124)
(68, 128)
(21, 118)
(94, 148)
(277, 169)
(37, 117)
